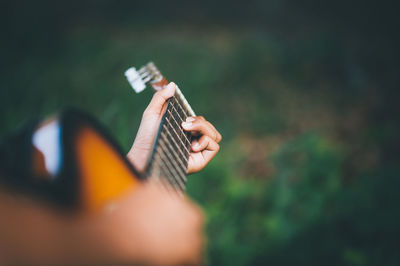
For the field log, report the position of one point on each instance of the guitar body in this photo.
(69, 160)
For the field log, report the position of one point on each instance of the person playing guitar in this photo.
(147, 226)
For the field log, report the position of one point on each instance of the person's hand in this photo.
(203, 149)
(206, 146)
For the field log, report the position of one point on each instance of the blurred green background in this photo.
(305, 94)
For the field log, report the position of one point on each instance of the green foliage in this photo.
(251, 219)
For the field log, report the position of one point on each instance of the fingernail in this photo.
(187, 124)
(170, 85)
(196, 145)
(190, 119)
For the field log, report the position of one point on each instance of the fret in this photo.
(167, 172)
(179, 109)
(166, 182)
(179, 137)
(171, 116)
(182, 103)
(177, 145)
(182, 116)
(164, 169)
(177, 172)
(170, 148)
(180, 129)
(159, 176)
(175, 114)
(173, 155)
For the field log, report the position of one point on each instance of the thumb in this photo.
(159, 99)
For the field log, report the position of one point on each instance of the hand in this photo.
(203, 149)
(141, 148)
(206, 147)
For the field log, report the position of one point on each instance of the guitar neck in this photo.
(171, 150)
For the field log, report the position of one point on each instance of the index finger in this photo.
(201, 125)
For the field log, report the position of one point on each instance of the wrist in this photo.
(138, 156)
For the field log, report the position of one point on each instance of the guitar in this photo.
(70, 160)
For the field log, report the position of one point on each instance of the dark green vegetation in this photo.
(304, 95)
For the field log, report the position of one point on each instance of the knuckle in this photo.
(158, 96)
(206, 139)
(219, 136)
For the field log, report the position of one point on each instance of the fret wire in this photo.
(171, 181)
(177, 111)
(187, 134)
(178, 124)
(173, 140)
(175, 168)
(173, 156)
(167, 170)
(156, 176)
(188, 142)
(163, 175)
(184, 166)
(181, 156)
(167, 185)
(176, 98)
(177, 137)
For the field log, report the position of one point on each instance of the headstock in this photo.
(146, 74)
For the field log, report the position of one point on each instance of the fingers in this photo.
(203, 151)
(159, 98)
(199, 126)
(205, 143)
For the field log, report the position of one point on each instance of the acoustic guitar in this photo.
(72, 161)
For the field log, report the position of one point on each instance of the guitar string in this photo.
(178, 125)
(184, 114)
(157, 158)
(170, 148)
(165, 173)
(179, 139)
(184, 109)
(171, 174)
(156, 177)
(176, 144)
(181, 167)
(174, 168)
(177, 113)
(176, 138)
(183, 177)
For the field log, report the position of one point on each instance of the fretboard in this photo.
(169, 159)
